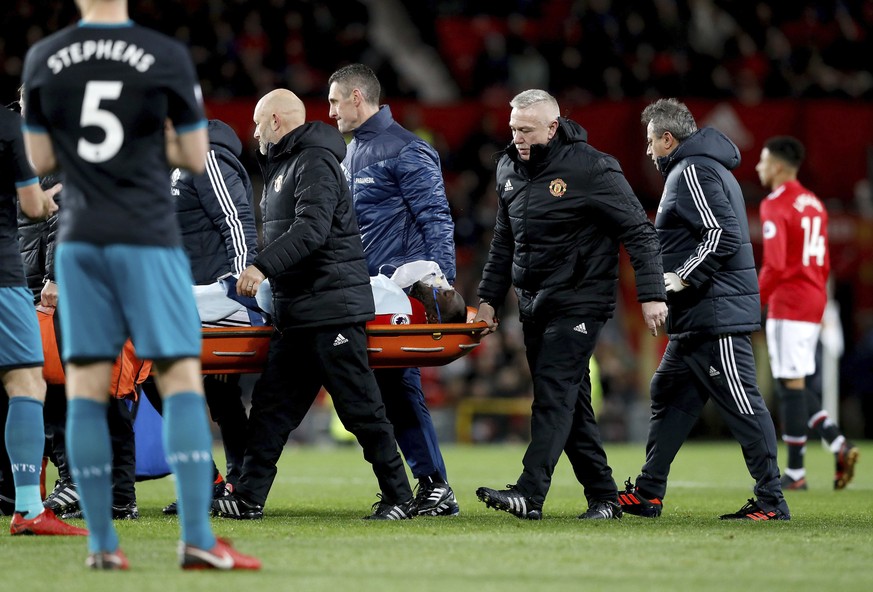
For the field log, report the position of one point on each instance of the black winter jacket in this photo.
(33, 243)
(560, 219)
(36, 242)
(704, 236)
(312, 247)
(215, 210)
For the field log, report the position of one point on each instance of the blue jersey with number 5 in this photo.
(103, 94)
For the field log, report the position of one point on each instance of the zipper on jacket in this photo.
(526, 195)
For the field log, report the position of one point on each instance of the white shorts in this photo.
(791, 346)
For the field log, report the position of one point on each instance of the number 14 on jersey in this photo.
(813, 241)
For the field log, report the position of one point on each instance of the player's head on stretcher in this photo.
(416, 292)
(441, 304)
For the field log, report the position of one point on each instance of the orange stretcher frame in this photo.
(243, 350)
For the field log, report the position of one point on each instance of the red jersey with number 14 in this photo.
(796, 265)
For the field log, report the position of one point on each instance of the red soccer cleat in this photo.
(114, 560)
(222, 556)
(44, 524)
(846, 458)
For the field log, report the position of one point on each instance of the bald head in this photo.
(277, 113)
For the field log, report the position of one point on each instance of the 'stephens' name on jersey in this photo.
(102, 49)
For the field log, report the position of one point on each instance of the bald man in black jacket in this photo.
(314, 260)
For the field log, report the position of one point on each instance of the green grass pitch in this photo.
(312, 537)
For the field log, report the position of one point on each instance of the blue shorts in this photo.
(19, 330)
(112, 292)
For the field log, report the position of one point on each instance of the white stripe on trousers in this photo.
(732, 373)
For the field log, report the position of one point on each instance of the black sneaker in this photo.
(846, 459)
(219, 490)
(633, 502)
(125, 512)
(789, 484)
(383, 510)
(64, 498)
(510, 500)
(236, 507)
(602, 510)
(435, 499)
(754, 511)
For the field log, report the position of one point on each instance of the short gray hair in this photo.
(531, 97)
(670, 115)
(358, 76)
(534, 98)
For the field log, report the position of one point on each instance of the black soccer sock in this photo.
(792, 407)
(819, 419)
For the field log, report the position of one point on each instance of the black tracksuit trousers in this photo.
(558, 353)
(299, 362)
(692, 371)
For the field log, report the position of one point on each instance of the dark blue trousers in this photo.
(413, 426)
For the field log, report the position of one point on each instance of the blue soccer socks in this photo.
(188, 445)
(90, 456)
(25, 441)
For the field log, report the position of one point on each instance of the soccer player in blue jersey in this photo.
(21, 356)
(98, 95)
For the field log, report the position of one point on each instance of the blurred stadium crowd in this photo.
(575, 48)
(487, 50)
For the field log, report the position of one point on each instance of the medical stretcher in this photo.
(244, 350)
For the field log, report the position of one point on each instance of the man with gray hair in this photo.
(563, 211)
(712, 290)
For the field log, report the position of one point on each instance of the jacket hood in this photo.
(707, 142)
(315, 134)
(221, 134)
(569, 132)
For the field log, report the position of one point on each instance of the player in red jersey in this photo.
(793, 282)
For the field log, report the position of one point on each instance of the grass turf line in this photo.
(312, 537)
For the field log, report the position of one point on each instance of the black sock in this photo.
(792, 407)
(820, 421)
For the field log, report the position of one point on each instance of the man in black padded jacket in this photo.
(714, 304)
(314, 259)
(563, 208)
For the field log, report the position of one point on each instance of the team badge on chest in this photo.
(557, 187)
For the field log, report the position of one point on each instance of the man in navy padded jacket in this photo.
(403, 214)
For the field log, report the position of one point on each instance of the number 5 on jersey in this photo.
(97, 91)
